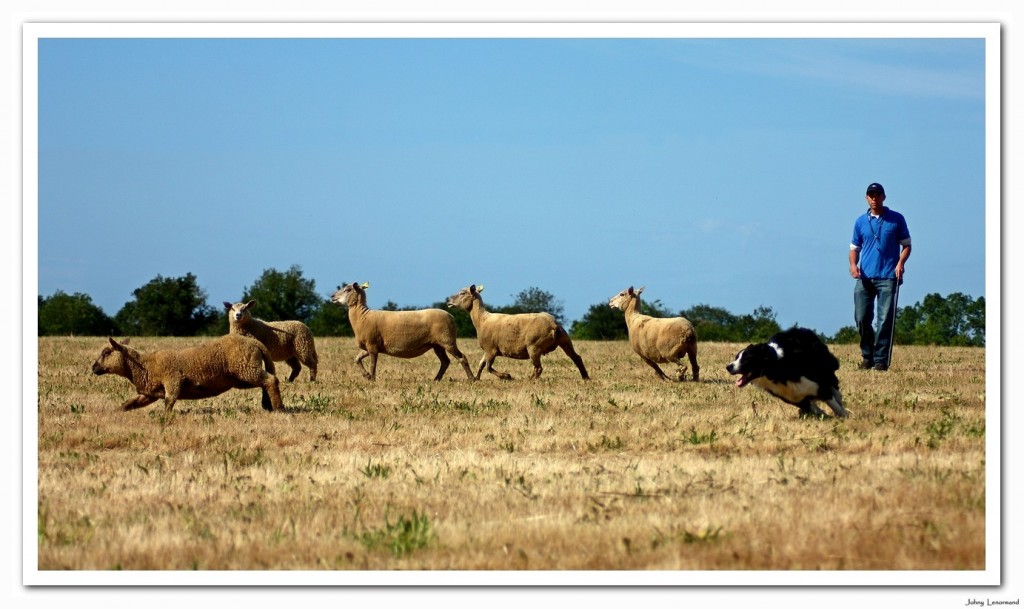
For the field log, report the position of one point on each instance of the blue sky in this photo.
(723, 171)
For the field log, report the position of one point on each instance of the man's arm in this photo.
(854, 259)
(904, 254)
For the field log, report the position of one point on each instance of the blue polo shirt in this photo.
(878, 239)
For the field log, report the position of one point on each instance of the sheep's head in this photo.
(622, 299)
(113, 359)
(465, 297)
(239, 310)
(350, 294)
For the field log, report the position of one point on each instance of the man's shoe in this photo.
(865, 365)
(881, 367)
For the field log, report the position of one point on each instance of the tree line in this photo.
(177, 306)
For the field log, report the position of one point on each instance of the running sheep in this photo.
(288, 341)
(404, 334)
(658, 340)
(518, 336)
(203, 371)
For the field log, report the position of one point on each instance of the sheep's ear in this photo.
(227, 305)
(366, 285)
(250, 304)
(630, 290)
(479, 288)
(115, 344)
(640, 291)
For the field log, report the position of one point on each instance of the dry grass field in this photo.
(624, 472)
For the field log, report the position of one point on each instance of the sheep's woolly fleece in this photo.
(518, 336)
(403, 334)
(288, 341)
(203, 371)
(658, 340)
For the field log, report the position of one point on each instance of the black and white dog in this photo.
(794, 366)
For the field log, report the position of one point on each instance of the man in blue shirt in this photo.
(878, 255)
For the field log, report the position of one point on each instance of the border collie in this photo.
(794, 366)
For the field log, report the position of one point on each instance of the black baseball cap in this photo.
(875, 187)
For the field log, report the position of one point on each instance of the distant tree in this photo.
(286, 295)
(61, 314)
(654, 308)
(713, 324)
(391, 305)
(846, 335)
(330, 319)
(757, 327)
(534, 300)
(956, 320)
(464, 327)
(717, 324)
(167, 306)
(601, 322)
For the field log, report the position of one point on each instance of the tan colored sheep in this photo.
(209, 369)
(518, 336)
(403, 334)
(658, 340)
(288, 341)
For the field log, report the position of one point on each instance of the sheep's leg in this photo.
(138, 402)
(682, 368)
(271, 394)
(657, 369)
(576, 359)
(172, 389)
(373, 364)
(293, 362)
(535, 360)
(445, 361)
(489, 361)
(462, 360)
(692, 354)
(312, 370)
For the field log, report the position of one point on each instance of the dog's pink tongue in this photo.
(741, 381)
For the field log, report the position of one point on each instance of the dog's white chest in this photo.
(792, 392)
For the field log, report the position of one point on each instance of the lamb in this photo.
(518, 336)
(658, 340)
(290, 341)
(403, 334)
(209, 369)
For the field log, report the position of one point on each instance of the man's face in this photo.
(875, 200)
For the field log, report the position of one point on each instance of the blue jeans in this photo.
(869, 294)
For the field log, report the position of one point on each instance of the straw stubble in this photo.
(624, 472)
